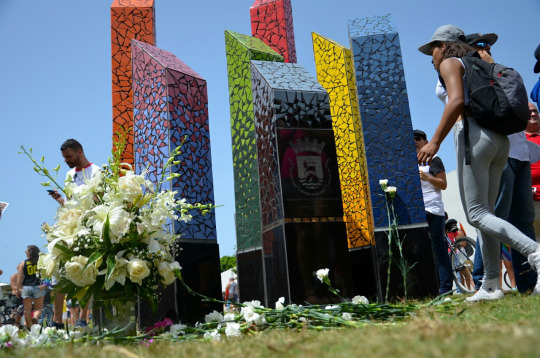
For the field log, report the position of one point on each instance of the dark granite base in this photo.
(422, 281)
(365, 273)
(286, 266)
(250, 276)
(201, 272)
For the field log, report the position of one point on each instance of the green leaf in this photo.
(57, 168)
(111, 264)
(46, 183)
(64, 249)
(93, 258)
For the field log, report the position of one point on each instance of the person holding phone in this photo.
(81, 171)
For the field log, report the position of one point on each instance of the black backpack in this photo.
(498, 97)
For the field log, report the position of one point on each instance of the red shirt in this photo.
(535, 167)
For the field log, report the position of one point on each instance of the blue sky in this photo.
(56, 81)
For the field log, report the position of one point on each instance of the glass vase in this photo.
(117, 317)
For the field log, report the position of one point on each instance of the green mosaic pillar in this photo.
(241, 49)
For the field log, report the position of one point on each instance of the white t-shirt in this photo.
(79, 176)
(432, 196)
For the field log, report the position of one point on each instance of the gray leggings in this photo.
(479, 186)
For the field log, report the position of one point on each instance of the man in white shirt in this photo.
(433, 180)
(81, 170)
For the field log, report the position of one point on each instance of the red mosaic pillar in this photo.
(272, 22)
(130, 19)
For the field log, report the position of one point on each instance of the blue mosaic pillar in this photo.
(171, 110)
(301, 208)
(389, 141)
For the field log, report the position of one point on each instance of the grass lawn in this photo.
(505, 328)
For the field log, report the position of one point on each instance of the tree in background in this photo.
(227, 262)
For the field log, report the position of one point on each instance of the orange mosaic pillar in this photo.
(130, 19)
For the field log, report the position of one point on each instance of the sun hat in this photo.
(537, 55)
(445, 33)
(474, 38)
(419, 133)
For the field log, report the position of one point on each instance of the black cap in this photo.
(474, 38)
(419, 133)
(537, 55)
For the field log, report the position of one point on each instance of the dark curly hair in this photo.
(453, 49)
(33, 253)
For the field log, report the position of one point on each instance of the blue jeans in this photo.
(440, 251)
(515, 204)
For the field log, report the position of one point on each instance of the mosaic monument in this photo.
(389, 143)
(171, 110)
(240, 50)
(130, 19)
(272, 22)
(301, 207)
(335, 72)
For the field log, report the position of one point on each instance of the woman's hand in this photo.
(426, 154)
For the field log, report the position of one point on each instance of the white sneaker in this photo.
(489, 291)
(534, 261)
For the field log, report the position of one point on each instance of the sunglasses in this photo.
(481, 44)
(418, 139)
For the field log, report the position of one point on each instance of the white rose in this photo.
(75, 273)
(131, 185)
(166, 270)
(138, 270)
(68, 220)
(383, 182)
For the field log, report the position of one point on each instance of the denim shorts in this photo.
(32, 292)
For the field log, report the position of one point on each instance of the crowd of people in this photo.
(494, 171)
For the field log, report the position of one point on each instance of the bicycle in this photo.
(461, 257)
(14, 314)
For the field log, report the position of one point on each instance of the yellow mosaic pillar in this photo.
(335, 72)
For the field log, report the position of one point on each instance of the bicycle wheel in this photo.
(462, 259)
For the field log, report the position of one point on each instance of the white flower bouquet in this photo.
(111, 238)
